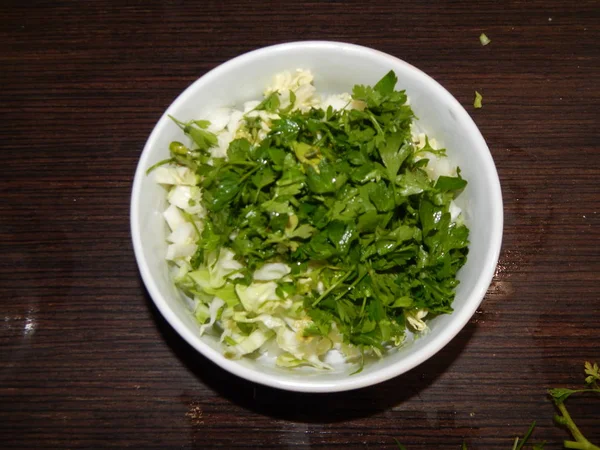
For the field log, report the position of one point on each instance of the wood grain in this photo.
(85, 359)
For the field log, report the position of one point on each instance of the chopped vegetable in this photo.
(478, 99)
(312, 228)
(484, 39)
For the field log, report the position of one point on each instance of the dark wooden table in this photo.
(86, 360)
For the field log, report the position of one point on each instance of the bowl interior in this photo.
(336, 68)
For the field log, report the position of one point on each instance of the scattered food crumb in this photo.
(472, 414)
(549, 19)
(195, 414)
(484, 39)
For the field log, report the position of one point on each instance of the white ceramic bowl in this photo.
(336, 68)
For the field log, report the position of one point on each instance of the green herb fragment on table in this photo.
(484, 39)
(301, 225)
(520, 442)
(559, 395)
(478, 100)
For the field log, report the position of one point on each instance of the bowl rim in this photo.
(460, 318)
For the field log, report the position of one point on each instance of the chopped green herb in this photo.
(520, 443)
(400, 446)
(559, 395)
(478, 100)
(484, 39)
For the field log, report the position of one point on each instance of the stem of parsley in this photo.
(566, 420)
(375, 123)
(249, 173)
(242, 163)
(354, 283)
(331, 288)
(158, 164)
(519, 445)
(179, 123)
(561, 394)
